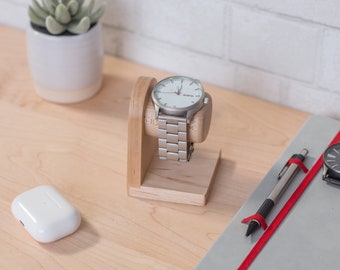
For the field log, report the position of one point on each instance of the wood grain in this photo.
(81, 149)
(141, 147)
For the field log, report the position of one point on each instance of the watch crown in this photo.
(324, 173)
(206, 100)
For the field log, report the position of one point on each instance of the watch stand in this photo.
(167, 180)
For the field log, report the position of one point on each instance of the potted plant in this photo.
(65, 50)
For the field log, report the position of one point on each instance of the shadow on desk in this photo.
(85, 237)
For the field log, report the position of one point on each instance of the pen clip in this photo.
(285, 167)
(296, 159)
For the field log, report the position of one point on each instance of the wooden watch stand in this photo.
(152, 178)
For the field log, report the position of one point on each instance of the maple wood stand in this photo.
(152, 178)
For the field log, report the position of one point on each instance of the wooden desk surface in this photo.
(82, 150)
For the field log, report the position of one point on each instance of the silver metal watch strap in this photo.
(173, 138)
(327, 178)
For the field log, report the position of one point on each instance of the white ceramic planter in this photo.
(66, 69)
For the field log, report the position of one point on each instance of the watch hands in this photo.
(179, 89)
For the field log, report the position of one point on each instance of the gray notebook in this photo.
(309, 236)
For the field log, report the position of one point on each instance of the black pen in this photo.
(285, 176)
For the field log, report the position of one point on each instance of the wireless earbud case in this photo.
(46, 214)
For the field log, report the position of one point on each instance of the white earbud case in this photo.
(46, 214)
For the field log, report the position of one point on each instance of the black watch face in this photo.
(331, 158)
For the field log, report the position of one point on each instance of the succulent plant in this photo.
(65, 15)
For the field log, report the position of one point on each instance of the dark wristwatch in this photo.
(331, 164)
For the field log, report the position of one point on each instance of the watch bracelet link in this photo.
(326, 177)
(331, 180)
(173, 138)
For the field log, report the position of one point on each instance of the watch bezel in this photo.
(177, 111)
(328, 171)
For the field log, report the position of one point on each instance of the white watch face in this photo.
(178, 93)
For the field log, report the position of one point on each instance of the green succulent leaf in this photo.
(62, 15)
(80, 2)
(95, 16)
(53, 26)
(57, 16)
(65, 2)
(49, 5)
(73, 7)
(38, 10)
(85, 10)
(90, 6)
(35, 18)
(80, 27)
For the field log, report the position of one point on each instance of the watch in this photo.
(331, 164)
(176, 100)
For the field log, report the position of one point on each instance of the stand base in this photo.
(172, 181)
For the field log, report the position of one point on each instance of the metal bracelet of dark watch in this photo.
(329, 178)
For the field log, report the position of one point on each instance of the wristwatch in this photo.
(331, 164)
(176, 100)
